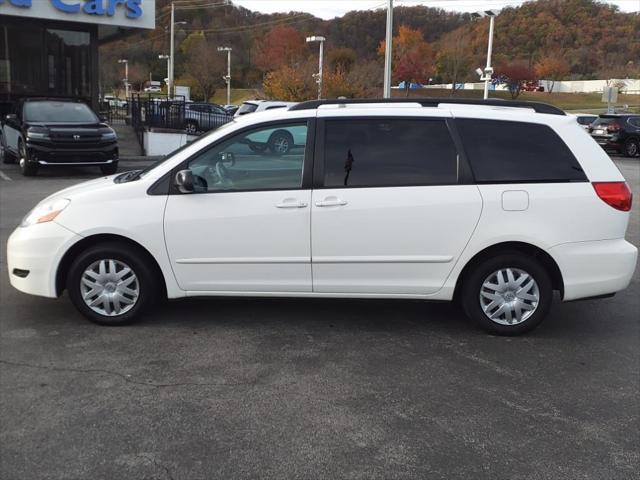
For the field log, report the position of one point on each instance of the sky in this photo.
(335, 8)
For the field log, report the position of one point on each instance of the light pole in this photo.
(488, 70)
(388, 45)
(166, 57)
(318, 75)
(126, 77)
(227, 77)
(172, 88)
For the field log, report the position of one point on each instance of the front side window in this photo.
(388, 152)
(517, 152)
(266, 158)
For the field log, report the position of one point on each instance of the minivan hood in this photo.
(90, 186)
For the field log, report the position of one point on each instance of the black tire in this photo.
(472, 286)
(631, 147)
(191, 127)
(280, 142)
(109, 169)
(146, 281)
(27, 167)
(7, 156)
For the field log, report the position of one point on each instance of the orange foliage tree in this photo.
(283, 45)
(552, 68)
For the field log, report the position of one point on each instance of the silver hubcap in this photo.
(281, 144)
(632, 149)
(509, 296)
(109, 287)
(191, 128)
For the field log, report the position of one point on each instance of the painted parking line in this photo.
(4, 176)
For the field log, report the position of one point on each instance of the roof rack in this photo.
(538, 107)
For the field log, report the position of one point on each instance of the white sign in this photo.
(117, 13)
(185, 91)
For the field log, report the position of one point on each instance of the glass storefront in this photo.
(53, 59)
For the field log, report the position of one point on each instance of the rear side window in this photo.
(517, 152)
(384, 152)
(634, 121)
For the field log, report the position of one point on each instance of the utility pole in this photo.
(320, 61)
(170, 88)
(387, 51)
(167, 58)
(488, 68)
(227, 77)
(126, 77)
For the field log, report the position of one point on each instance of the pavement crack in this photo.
(127, 378)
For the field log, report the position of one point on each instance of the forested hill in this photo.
(595, 40)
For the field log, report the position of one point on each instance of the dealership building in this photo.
(50, 47)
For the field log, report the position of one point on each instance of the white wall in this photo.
(161, 143)
(589, 86)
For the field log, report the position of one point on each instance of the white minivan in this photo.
(494, 204)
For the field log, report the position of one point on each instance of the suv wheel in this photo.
(27, 167)
(109, 169)
(509, 294)
(7, 156)
(191, 127)
(280, 142)
(632, 147)
(110, 284)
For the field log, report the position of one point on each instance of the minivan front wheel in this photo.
(110, 284)
(509, 294)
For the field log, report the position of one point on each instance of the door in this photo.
(11, 130)
(391, 216)
(247, 226)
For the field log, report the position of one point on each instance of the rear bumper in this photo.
(64, 155)
(591, 269)
(37, 250)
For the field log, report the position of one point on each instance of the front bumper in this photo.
(591, 269)
(92, 154)
(37, 249)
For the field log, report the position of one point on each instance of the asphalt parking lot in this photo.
(297, 388)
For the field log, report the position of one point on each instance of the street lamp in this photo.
(318, 76)
(485, 75)
(387, 51)
(171, 87)
(227, 77)
(126, 76)
(167, 58)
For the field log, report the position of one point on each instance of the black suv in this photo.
(47, 131)
(619, 132)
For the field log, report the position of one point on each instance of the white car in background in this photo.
(253, 106)
(585, 119)
(495, 204)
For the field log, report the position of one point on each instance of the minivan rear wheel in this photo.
(111, 284)
(509, 294)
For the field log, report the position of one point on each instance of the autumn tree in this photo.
(552, 68)
(283, 45)
(289, 83)
(342, 58)
(413, 58)
(453, 60)
(204, 68)
(514, 75)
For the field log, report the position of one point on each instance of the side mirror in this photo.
(11, 116)
(184, 181)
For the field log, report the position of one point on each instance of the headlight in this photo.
(31, 135)
(109, 136)
(45, 212)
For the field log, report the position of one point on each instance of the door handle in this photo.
(331, 202)
(291, 204)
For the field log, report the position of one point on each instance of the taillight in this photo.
(613, 127)
(615, 194)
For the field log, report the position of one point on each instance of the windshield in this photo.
(247, 108)
(146, 170)
(52, 111)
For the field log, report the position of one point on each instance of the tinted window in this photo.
(267, 158)
(247, 108)
(635, 121)
(51, 111)
(502, 151)
(586, 120)
(385, 152)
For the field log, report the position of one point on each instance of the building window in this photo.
(68, 62)
(20, 59)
